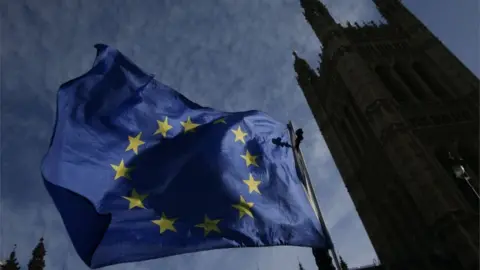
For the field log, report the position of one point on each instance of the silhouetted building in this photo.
(11, 263)
(37, 262)
(399, 113)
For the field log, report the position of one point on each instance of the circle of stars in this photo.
(136, 200)
(165, 223)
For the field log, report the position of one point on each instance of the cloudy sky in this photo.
(232, 55)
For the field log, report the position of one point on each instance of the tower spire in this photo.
(317, 15)
(396, 14)
(305, 74)
(37, 262)
(11, 263)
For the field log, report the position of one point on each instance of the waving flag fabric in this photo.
(138, 171)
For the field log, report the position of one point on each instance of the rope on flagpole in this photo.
(296, 138)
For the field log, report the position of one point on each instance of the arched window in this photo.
(435, 86)
(414, 87)
(386, 78)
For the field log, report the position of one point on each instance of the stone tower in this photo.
(399, 113)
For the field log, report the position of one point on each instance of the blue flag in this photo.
(138, 171)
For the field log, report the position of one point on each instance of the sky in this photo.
(232, 55)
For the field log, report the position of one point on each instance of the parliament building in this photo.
(399, 113)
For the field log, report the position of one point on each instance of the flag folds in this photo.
(138, 171)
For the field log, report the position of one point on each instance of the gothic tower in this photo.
(399, 113)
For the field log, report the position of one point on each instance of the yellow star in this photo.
(239, 135)
(189, 125)
(165, 223)
(209, 225)
(136, 200)
(249, 159)
(221, 120)
(121, 170)
(252, 184)
(243, 207)
(135, 142)
(163, 127)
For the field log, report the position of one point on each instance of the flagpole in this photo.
(305, 178)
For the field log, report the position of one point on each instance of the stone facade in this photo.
(398, 111)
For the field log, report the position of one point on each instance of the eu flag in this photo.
(138, 171)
